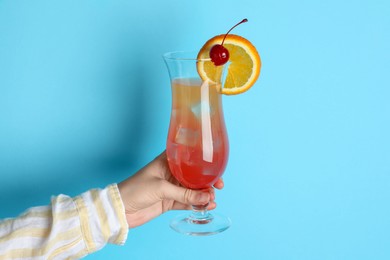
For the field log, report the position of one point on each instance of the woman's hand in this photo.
(153, 190)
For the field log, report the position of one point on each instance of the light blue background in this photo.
(85, 101)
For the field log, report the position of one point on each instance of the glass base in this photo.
(200, 223)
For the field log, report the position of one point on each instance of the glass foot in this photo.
(200, 223)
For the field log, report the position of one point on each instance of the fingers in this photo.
(180, 206)
(219, 184)
(186, 196)
(212, 205)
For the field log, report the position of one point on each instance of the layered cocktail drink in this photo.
(197, 145)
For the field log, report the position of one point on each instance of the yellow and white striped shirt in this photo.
(69, 228)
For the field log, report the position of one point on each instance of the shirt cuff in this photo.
(102, 217)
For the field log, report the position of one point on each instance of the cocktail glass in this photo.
(197, 145)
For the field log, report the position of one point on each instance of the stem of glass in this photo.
(200, 214)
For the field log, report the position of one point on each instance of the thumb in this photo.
(185, 196)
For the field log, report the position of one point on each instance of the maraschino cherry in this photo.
(218, 53)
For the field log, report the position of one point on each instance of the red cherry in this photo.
(218, 53)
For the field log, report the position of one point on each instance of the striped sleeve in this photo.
(68, 228)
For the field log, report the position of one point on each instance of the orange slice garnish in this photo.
(244, 67)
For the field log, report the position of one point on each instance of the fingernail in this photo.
(203, 197)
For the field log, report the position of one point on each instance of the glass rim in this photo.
(184, 56)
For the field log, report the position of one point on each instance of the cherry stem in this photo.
(243, 21)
